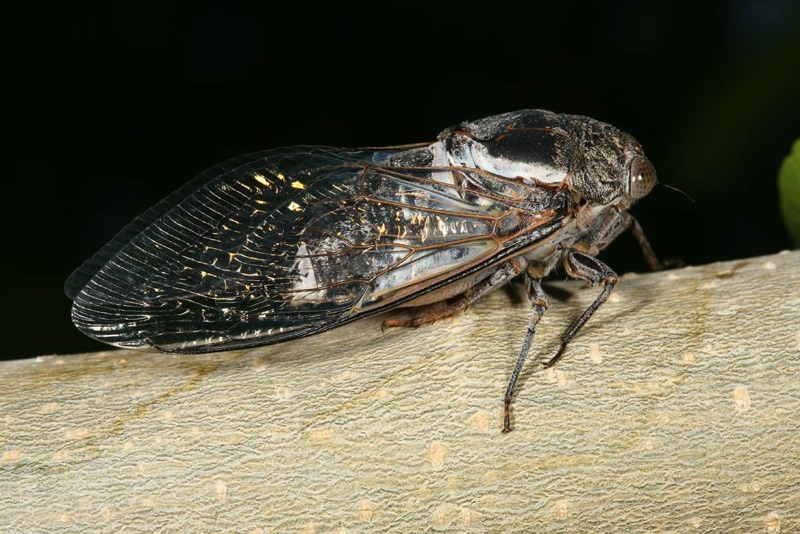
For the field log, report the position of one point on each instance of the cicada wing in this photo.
(288, 243)
(89, 268)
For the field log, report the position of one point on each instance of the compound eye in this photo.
(643, 177)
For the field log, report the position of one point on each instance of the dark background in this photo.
(114, 106)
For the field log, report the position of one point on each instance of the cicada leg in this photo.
(647, 251)
(538, 300)
(589, 268)
(497, 279)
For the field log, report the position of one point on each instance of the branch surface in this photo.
(675, 409)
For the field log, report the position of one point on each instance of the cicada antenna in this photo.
(682, 192)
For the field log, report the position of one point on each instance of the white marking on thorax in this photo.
(477, 157)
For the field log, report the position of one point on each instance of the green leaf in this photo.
(789, 192)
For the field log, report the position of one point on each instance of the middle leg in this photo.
(589, 268)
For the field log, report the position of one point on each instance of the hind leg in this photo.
(497, 279)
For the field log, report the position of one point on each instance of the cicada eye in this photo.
(642, 177)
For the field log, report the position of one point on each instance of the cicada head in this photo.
(608, 165)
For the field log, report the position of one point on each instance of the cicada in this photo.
(286, 243)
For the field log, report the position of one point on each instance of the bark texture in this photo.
(675, 410)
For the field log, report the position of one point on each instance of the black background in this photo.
(112, 106)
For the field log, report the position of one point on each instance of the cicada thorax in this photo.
(534, 149)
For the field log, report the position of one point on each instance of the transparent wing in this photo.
(285, 243)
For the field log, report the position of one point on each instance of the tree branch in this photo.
(675, 409)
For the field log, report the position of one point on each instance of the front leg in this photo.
(589, 268)
(647, 251)
(613, 224)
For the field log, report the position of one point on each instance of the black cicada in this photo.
(286, 243)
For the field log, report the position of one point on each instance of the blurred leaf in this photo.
(789, 192)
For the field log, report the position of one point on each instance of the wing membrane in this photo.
(284, 243)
